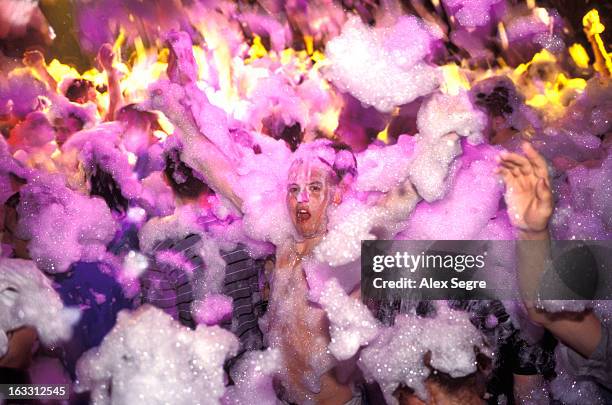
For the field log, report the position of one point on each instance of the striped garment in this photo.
(168, 286)
(242, 283)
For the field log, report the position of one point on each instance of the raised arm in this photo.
(530, 206)
(105, 58)
(36, 61)
(199, 152)
(400, 201)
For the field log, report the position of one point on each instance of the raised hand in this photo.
(33, 59)
(106, 56)
(528, 194)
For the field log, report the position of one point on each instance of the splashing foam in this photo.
(150, 358)
(397, 355)
(253, 378)
(62, 226)
(363, 60)
(26, 298)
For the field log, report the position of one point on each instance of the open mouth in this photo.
(302, 215)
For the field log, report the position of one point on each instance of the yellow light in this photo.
(542, 15)
(59, 71)
(579, 56)
(540, 57)
(119, 42)
(537, 101)
(309, 42)
(592, 24)
(384, 135)
(161, 135)
(328, 121)
(593, 28)
(503, 36)
(454, 80)
(257, 50)
(318, 56)
(141, 52)
(164, 123)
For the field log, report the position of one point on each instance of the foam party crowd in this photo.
(186, 185)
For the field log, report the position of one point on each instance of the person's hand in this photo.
(33, 59)
(528, 194)
(106, 56)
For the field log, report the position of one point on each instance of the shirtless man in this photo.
(296, 326)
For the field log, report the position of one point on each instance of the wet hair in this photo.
(78, 90)
(345, 161)
(132, 114)
(13, 200)
(292, 135)
(181, 177)
(497, 95)
(104, 185)
(495, 102)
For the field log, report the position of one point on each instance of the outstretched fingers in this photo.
(514, 160)
(543, 193)
(537, 162)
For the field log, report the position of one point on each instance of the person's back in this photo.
(99, 296)
(242, 284)
(165, 284)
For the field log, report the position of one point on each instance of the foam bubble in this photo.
(377, 65)
(27, 298)
(150, 358)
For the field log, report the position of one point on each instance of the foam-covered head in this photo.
(311, 185)
(318, 174)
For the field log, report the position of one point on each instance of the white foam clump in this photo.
(27, 298)
(262, 185)
(442, 120)
(383, 168)
(253, 378)
(351, 324)
(397, 355)
(445, 218)
(157, 197)
(378, 66)
(178, 226)
(471, 13)
(212, 309)
(100, 146)
(62, 226)
(149, 358)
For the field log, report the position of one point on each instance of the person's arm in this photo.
(36, 61)
(20, 345)
(400, 201)
(530, 206)
(105, 58)
(210, 161)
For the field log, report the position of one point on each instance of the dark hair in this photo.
(181, 177)
(13, 200)
(78, 90)
(133, 114)
(292, 135)
(104, 185)
(342, 168)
